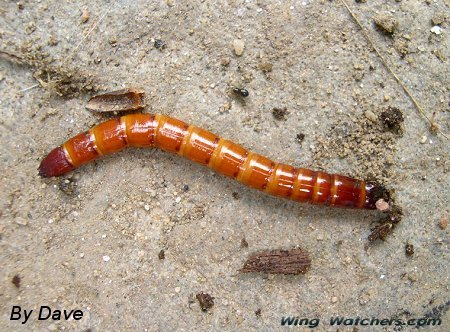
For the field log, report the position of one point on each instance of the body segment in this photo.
(204, 147)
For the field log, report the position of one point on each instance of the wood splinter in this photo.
(125, 100)
(293, 261)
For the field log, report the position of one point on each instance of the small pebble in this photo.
(438, 18)
(382, 205)
(106, 258)
(225, 108)
(443, 223)
(85, 16)
(266, 67)
(147, 207)
(437, 30)
(238, 45)
(30, 27)
(423, 139)
(225, 62)
(370, 116)
(21, 221)
(358, 75)
(412, 277)
(334, 299)
(386, 22)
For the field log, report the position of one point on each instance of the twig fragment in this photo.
(117, 101)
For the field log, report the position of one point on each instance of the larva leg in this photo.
(225, 157)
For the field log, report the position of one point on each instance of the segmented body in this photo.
(204, 147)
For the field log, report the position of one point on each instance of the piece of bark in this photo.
(117, 101)
(293, 261)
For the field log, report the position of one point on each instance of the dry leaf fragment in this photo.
(117, 101)
(293, 261)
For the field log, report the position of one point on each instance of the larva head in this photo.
(55, 164)
(375, 192)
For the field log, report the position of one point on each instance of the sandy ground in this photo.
(91, 240)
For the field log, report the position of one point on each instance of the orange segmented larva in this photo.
(225, 157)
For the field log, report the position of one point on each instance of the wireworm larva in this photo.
(225, 157)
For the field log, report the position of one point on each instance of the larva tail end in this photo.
(55, 164)
(375, 192)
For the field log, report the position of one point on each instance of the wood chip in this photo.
(117, 101)
(293, 261)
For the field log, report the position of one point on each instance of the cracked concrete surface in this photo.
(91, 240)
